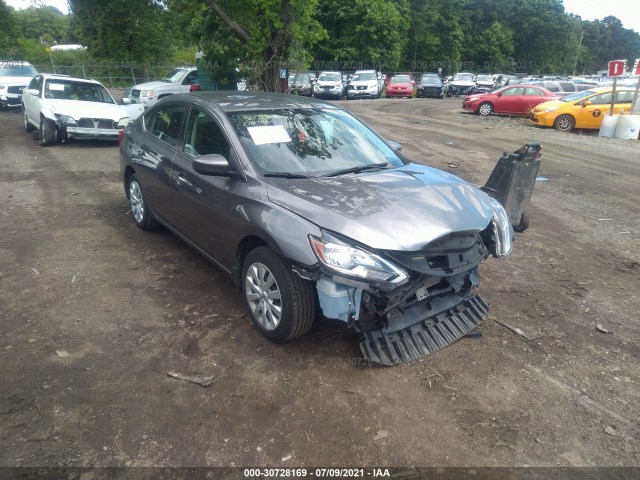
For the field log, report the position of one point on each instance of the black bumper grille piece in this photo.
(426, 336)
(96, 123)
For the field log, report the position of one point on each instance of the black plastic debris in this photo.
(425, 337)
(512, 182)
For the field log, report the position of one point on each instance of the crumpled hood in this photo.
(328, 83)
(399, 209)
(78, 109)
(15, 80)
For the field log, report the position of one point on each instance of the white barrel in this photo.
(608, 126)
(628, 127)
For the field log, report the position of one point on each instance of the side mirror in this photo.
(395, 146)
(213, 164)
(33, 91)
(586, 103)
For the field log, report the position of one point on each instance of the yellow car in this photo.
(581, 109)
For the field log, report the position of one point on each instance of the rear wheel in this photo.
(48, 132)
(281, 304)
(564, 123)
(485, 109)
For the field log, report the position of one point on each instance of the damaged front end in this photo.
(408, 304)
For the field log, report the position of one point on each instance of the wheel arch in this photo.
(129, 171)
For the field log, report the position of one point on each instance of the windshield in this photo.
(61, 89)
(17, 71)
(464, 77)
(577, 96)
(401, 79)
(485, 78)
(309, 142)
(174, 76)
(364, 76)
(430, 81)
(330, 77)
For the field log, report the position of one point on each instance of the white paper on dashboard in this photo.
(56, 86)
(269, 134)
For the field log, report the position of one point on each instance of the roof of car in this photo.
(57, 76)
(232, 101)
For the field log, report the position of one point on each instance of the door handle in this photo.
(181, 180)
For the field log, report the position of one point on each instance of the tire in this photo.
(27, 126)
(139, 208)
(564, 123)
(524, 223)
(485, 109)
(281, 304)
(48, 133)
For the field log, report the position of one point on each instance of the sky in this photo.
(626, 11)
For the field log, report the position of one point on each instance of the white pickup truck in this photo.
(178, 80)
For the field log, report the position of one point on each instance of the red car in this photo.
(400, 86)
(514, 99)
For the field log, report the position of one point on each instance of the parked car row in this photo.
(583, 109)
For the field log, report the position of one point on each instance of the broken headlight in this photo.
(502, 230)
(354, 262)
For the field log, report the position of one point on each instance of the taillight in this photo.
(195, 87)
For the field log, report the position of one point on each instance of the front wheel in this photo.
(281, 304)
(485, 109)
(27, 126)
(564, 123)
(48, 132)
(139, 207)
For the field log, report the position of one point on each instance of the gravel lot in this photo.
(95, 313)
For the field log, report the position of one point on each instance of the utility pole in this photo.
(575, 66)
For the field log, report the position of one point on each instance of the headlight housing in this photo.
(123, 122)
(65, 119)
(550, 109)
(502, 230)
(351, 261)
(146, 93)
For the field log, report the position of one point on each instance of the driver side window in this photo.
(164, 123)
(203, 136)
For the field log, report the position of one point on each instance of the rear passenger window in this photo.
(533, 92)
(553, 87)
(624, 97)
(568, 87)
(164, 123)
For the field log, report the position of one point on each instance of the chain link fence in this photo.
(110, 75)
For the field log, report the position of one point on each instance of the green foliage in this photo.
(363, 33)
(123, 30)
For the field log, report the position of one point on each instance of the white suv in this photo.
(14, 77)
(365, 83)
(62, 107)
(178, 80)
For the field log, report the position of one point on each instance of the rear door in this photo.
(532, 97)
(163, 126)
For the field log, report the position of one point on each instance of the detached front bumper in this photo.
(424, 331)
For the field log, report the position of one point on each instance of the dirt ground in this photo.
(94, 313)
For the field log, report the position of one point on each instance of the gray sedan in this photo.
(312, 213)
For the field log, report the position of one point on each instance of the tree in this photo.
(6, 28)
(363, 33)
(126, 30)
(47, 25)
(261, 35)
